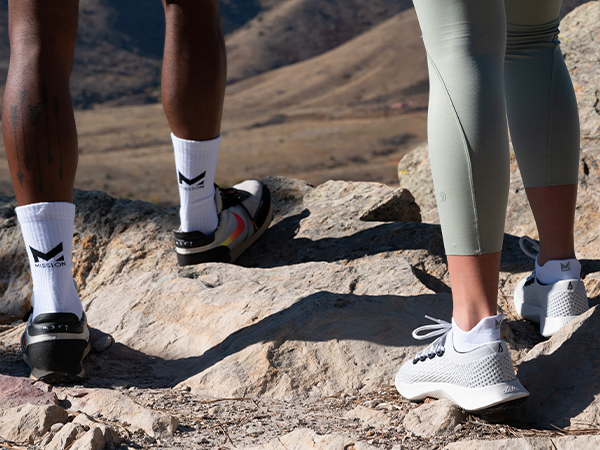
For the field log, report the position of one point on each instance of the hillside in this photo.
(350, 113)
(295, 30)
(118, 55)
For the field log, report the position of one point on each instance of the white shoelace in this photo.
(441, 329)
(535, 245)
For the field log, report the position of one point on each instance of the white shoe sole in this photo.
(469, 399)
(548, 325)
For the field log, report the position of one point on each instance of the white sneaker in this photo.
(551, 305)
(475, 380)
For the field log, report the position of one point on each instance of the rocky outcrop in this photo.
(320, 308)
(579, 37)
(435, 418)
(532, 443)
(304, 438)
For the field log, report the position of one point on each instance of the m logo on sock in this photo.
(565, 267)
(190, 183)
(498, 323)
(58, 262)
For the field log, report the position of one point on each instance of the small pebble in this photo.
(372, 403)
(56, 427)
(253, 430)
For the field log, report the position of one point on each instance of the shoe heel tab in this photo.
(57, 318)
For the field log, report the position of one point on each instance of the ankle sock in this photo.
(486, 331)
(47, 230)
(196, 164)
(556, 270)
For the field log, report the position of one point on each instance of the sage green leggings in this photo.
(489, 59)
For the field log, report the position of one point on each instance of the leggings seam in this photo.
(550, 117)
(465, 148)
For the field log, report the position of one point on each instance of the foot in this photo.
(474, 380)
(54, 346)
(245, 212)
(551, 305)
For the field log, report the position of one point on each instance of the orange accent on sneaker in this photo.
(240, 228)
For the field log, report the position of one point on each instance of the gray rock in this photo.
(93, 439)
(56, 427)
(29, 422)
(397, 206)
(530, 443)
(369, 416)
(254, 430)
(111, 434)
(432, 419)
(100, 341)
(116, 406)
(68, 434)
(414, 174)
(304, 438)
(563, 378)
(579, 32)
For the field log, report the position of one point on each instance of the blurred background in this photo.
(317, 90)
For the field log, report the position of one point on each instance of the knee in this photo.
(55, 46)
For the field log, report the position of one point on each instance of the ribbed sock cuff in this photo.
(196, 164)
(47, 230)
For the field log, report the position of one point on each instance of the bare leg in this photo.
(194, 68)
(474, 282)
(554, 211)
(39, 127)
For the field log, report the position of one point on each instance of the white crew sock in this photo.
(556, 270)
(486, 331)
(196, 163)
(47, 230)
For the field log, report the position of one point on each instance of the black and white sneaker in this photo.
(476, 380)
(551, 305)
(245, 212)
(54, 346)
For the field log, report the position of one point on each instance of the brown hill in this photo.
(374, 71)
(295, 30)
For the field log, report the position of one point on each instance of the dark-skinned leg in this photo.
(38, 126)
(193, 87)
(194, 68)
(41, 146)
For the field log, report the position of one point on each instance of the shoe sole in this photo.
(548, 325)
(469, 399)
(54, 377)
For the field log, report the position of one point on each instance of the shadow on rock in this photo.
(365, 335)
(280, 245)
(563, 376)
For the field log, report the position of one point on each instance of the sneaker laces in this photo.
(535, 245)
(441, 329)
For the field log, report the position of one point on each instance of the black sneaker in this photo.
(245, 212)
(54, 345)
